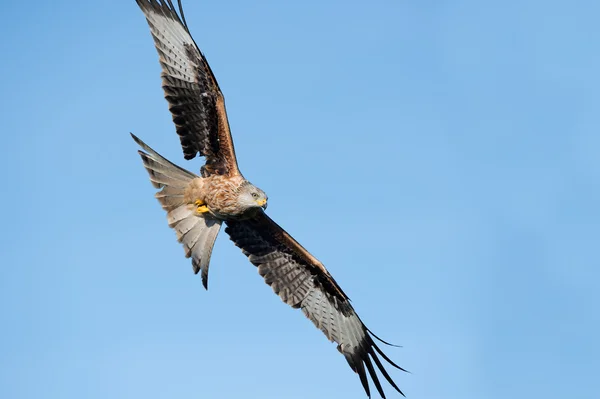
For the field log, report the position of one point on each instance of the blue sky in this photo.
(440, 158)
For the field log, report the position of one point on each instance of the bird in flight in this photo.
(197, 205)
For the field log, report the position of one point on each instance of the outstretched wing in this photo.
(302, 282)
(194, 97)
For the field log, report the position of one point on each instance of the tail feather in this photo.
(171, 201)
(184, 226)
(198, 243)
(159, 180)
(156, 157)
(168, 191)
(180, 213)
(155, 167)
(197, 232)
(202, 248)
(170, 197)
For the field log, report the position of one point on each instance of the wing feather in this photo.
(302, 282)
(195, 99)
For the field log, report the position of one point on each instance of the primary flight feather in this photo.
(197, 205)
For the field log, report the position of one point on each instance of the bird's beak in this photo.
(262, 202)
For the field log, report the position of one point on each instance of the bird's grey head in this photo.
(251, 196)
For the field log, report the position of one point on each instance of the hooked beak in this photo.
(262, 203)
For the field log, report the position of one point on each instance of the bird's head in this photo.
(251, 196)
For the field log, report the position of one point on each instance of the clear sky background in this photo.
(440, 158)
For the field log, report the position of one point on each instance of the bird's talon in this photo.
(202, 209)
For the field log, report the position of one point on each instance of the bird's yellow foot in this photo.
(201, 207)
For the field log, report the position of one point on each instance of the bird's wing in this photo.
(302, 282)
(195, 100)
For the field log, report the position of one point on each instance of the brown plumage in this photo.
(218, 192)
(196, 206)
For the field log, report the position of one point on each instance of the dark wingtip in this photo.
(205, 281)
(374, 377)
(360, 370)
(384, 372)
(137, 140)
(376, 337)
(381, 340)
(182, 14)
(387, 358)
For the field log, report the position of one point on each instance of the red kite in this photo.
(196, 206)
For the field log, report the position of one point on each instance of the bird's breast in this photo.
(220, 195)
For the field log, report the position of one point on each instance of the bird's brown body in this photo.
(219, 194)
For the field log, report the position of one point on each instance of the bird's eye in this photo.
(255, 195)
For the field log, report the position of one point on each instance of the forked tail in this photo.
(197, 232)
